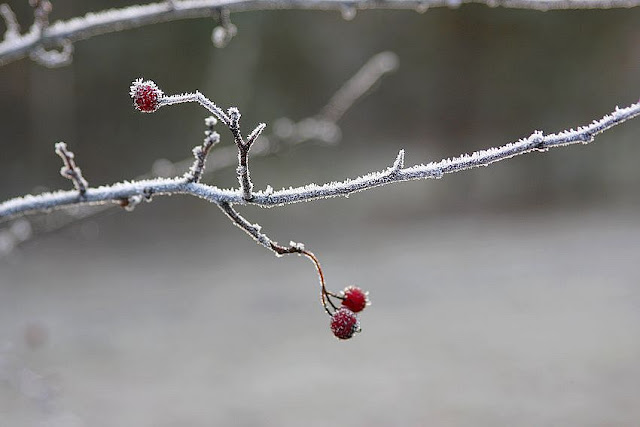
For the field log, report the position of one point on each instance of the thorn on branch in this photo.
(398, 164)
(70, 170)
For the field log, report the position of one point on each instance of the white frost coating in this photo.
(163, 186)
(224, 157)
(114, 20)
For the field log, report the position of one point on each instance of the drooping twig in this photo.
(114, 20)
(396, 173)
(255, 231)
(70, 170)
(286, 133)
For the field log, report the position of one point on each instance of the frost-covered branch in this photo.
(285, 133)
(64, 32)
(201, 152)
(70, 170)
(268, 198)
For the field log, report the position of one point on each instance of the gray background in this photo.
(502, 296)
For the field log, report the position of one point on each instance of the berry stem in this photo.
(325, 295)
(254, 230)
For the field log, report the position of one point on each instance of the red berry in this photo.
(344, 323)
(146, 95)
(355, 299)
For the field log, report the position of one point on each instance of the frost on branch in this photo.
(70, 170)
(16, 46)
(322, 127)
(201, 152)
(129, 194)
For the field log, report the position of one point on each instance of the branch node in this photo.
(130, 203)
(148, 194)
(70, 170)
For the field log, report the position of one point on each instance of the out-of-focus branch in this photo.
(358, 85)
(114, 20)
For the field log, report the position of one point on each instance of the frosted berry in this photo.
(344, 323)
(355, 299)
(146, 95)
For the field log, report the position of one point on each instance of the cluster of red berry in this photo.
(344, 321)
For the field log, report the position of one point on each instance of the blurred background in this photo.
(501, 296)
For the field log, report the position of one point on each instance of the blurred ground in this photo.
(514, 319)
(506, 296)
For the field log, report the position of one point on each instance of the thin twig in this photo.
(70, 170)
(255, 231)
(202, 151)
(115, 20)
(396, 173)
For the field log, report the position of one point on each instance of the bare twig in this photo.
(202, 151)
(114, 20)
(396, 173)
(255, 231)
(70, 170)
